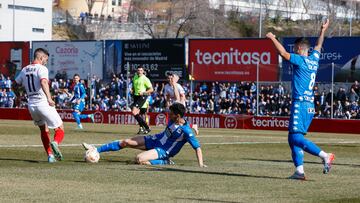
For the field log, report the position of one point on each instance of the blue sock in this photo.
(159, 162)
(112, 146)
(299, 140)
(76, 117)
(83, 116)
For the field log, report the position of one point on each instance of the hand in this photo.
(51, 102)
(270, 35)
(325, 25)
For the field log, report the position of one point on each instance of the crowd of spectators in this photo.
(212, 98)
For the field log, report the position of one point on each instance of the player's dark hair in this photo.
(76, 75)
(39, 51)
(302, 41)
(178, 108)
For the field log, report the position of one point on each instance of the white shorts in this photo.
(45, 115)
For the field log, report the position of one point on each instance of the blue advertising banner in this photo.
(344, 52)
(113, 52)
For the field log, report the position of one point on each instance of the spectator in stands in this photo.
(353, 96)
(8, 83)
(10, 98)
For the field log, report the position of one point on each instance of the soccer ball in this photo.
(92, 155)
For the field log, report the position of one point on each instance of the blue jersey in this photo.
(79, 92)
(174, 137)
(303, 81)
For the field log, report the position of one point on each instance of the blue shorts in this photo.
(151, 143)
(302, 113)
(80, 107)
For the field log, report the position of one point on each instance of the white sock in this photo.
(323, 155)
(300, 169)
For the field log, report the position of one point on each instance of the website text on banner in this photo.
(233, 60)
(203, 120)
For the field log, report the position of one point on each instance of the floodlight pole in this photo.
(260, 19)
(191, 86)
(127, 84)
(13, 34)
(257, 89)
(332, 90)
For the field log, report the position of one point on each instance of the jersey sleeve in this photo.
(315, 55)
(295, 59)
(193, 141)
(82, 91)
(43, 73)
(147, 83)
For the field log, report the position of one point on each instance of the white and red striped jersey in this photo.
(30, 77)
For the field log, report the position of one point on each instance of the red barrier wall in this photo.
(203, 120)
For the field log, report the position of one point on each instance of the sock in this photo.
(300, 169)
(76, 117)
(141, 121)
(323, 155)
(45, 138)
(59, 135)
(159, 162)
(112, 146)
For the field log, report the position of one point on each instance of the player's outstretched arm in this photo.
(320, 40)
(199, 157)
(282, 51)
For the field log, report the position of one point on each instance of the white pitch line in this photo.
(206, 143)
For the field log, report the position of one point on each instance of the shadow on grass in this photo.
(166, 169)
(308, 162)
(22, 160)
(206, 200)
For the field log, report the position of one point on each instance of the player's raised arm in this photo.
(282, 51)
(320, 40)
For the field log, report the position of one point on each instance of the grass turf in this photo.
(244, 166)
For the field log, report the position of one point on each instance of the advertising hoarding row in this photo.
(202, 120)
(208, 59)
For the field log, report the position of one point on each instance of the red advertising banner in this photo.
(202, 120)
(14, 56)
(233, 59)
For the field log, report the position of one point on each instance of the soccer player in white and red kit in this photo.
(35, 79)
(175, 93)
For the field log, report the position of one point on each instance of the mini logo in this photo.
(98, 117)
(230, 122)
(160, 119)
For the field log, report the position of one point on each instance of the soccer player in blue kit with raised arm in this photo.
(159, 148)
(78, 101)
(305, 67)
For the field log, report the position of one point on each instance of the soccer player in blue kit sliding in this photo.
(159, 148)
(305, 67)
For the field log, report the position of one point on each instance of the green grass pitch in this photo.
(243, 166)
